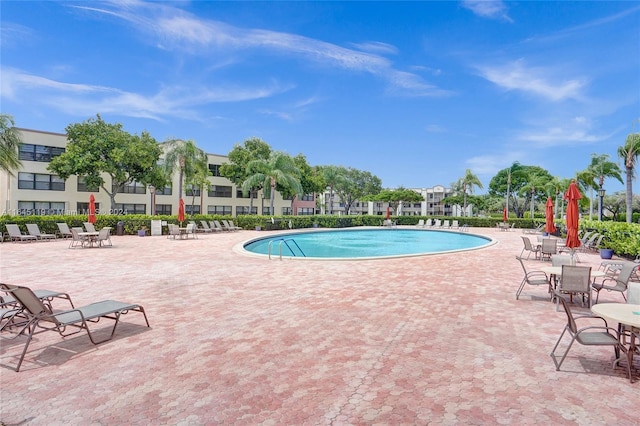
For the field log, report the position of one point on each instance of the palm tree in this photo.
(466, 183)
(10, 140)
(278, 169)
(189, 159)
(629, 153)
(586, 180)
(332, 175)
(602, 167)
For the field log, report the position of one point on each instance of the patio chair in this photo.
(529, 248)
(191, 230)
(40, 318)
(420, 223)
(617, 282)
(104, 237)
(548, 248)
(16, 235)
(76, 239)
(533, 278)
(34, 230)
(574, 280)
(89, 227)
(588, 336)
(63, 230)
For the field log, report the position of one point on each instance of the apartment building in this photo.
(34, 190)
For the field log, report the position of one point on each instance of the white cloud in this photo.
(493, 9)
(489, 165)
(176, 29)
(535, 80)
(80, 98)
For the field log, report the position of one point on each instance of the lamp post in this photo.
(152, 191)
(601, 196)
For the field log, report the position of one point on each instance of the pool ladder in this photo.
(283, 241)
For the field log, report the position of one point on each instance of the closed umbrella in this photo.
(505, 215)
(572, 196)
(388, 212)
(181, 212)
(550, 227)
(92, 209)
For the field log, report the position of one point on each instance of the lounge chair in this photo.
(537, 230)
(40, 318)
(437, 223)
(446, 224)
(455, 224)
(420, 224)
(238, 228)
(429, 223)
(16, 235)
(219, 226)
(228, 225)
(34, 230)
(63, 230)
(206, 227)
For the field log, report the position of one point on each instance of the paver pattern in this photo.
(239, 339)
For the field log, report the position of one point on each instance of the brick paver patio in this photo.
(236, 339)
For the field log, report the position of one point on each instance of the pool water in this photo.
(366, 243)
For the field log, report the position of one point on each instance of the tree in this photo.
(629, 154)
(239, 157)
(515, 181)
(466, 184)
(190, 161)
(278, 169)
(601, 167)
(10, 140)
(95, 148)
(396, 196)
(333, 175)
(354, 185)
(311, 179)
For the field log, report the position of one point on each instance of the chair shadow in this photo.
(58, 353)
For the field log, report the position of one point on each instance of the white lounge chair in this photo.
(16, 235)
(35, 231)
(420, 224)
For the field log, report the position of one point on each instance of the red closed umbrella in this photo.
(505, 215)
(181, 212)
(572, 196)
(388, 212)
(550, 227)
(92, 209)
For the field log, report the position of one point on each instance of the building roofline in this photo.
(41, 131)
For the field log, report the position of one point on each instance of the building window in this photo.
(308, 197)
(39, 208)
(191, 209)
(164, 191)
(83, 208)
(286, 211)
(40, 181)
(222, 210)
(240, 210)
(266, 211)
(220, 191)
(163, 209)
(214, 169)
(192, 192)
(131, 209)
(132, 188)
(30, 152)
(82, 186)
(240, 194)
(306, 211)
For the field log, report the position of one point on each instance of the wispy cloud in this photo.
(535, 80)
(492, 9)
(175, 29)
(576, 131)
(77, 99)
(489, 165)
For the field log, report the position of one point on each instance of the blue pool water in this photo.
(366, 243)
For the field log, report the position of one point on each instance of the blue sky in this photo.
(413, 92)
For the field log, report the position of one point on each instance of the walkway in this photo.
(243, 340)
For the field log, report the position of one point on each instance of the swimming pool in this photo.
(365, 243)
